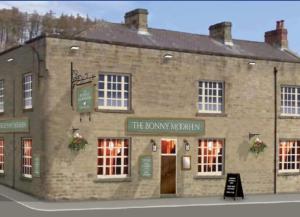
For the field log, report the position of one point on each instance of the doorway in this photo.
(168, 166)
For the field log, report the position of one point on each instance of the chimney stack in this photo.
(221, 32)
(137, 19)
(278, 37)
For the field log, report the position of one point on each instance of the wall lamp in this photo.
(252, 63)
(251, 135)
(168, 56)
(153, 144)
(10, 59)
(186, 145)
(74, 48)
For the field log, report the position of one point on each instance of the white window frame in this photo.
(202, 163)
(284, 100)
(106, 90)
(217, 97)
(122, 165)
(2, 96)
(24, 166)
(295, 162)
(2, 155)
(27, 90)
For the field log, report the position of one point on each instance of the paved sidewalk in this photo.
(40, 205)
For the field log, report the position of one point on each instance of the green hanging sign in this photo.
(14, 125)
(85, 99)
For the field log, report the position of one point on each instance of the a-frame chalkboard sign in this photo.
(233, 187)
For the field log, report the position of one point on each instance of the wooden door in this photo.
(168, 175)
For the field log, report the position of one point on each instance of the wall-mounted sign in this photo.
(14, 125)
(146, 165)
(165, 126)
(85, 99)
(36, 166)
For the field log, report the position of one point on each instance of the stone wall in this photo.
(163, 89)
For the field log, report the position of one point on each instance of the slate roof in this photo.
(114, 33)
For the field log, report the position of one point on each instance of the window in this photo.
(27, 91)
(289, 156)
(1, 156)
(113, 92)
(290, 101)
(113, 158)
(210, 157)
(1, 95)
(210, 97)
(27, 158)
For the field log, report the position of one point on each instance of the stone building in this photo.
(164, 113)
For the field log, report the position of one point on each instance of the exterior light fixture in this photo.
(10, 59)
(251, 135)
(154, 146)
(168, 56)
(75, 48)
(252, 63)
(186, 145)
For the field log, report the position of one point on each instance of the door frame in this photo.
(176, 140)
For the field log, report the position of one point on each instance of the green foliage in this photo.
(257, 146)
(77, 143)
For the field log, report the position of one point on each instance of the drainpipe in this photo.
(275, 130)
(14, 136)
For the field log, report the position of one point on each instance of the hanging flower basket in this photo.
(77, 143)
(257, 146)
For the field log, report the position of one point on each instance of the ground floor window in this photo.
(210, 157)
(1, 155)
(289, 156)
(113, 157)
(27, 157)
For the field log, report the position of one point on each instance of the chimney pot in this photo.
(137, 19)
(221, 32)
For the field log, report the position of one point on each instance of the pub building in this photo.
(125, 111)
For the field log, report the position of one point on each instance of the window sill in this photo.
(27, 179)
(114, 111)
(289, 174)
(28, 110)
(288, 117)
(103, 180)
(209, 177)
(198, 114)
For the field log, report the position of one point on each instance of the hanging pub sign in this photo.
(85, 99)
(16, 125)
(165, 126)
(233, 186)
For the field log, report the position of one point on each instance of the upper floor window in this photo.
(27, 91)
(113, 158)
(1, 155)
(113, 92)
(289, 156)
(290, 100)
(1, 95)
(210, 97)
(27, 158)
(210, 157)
